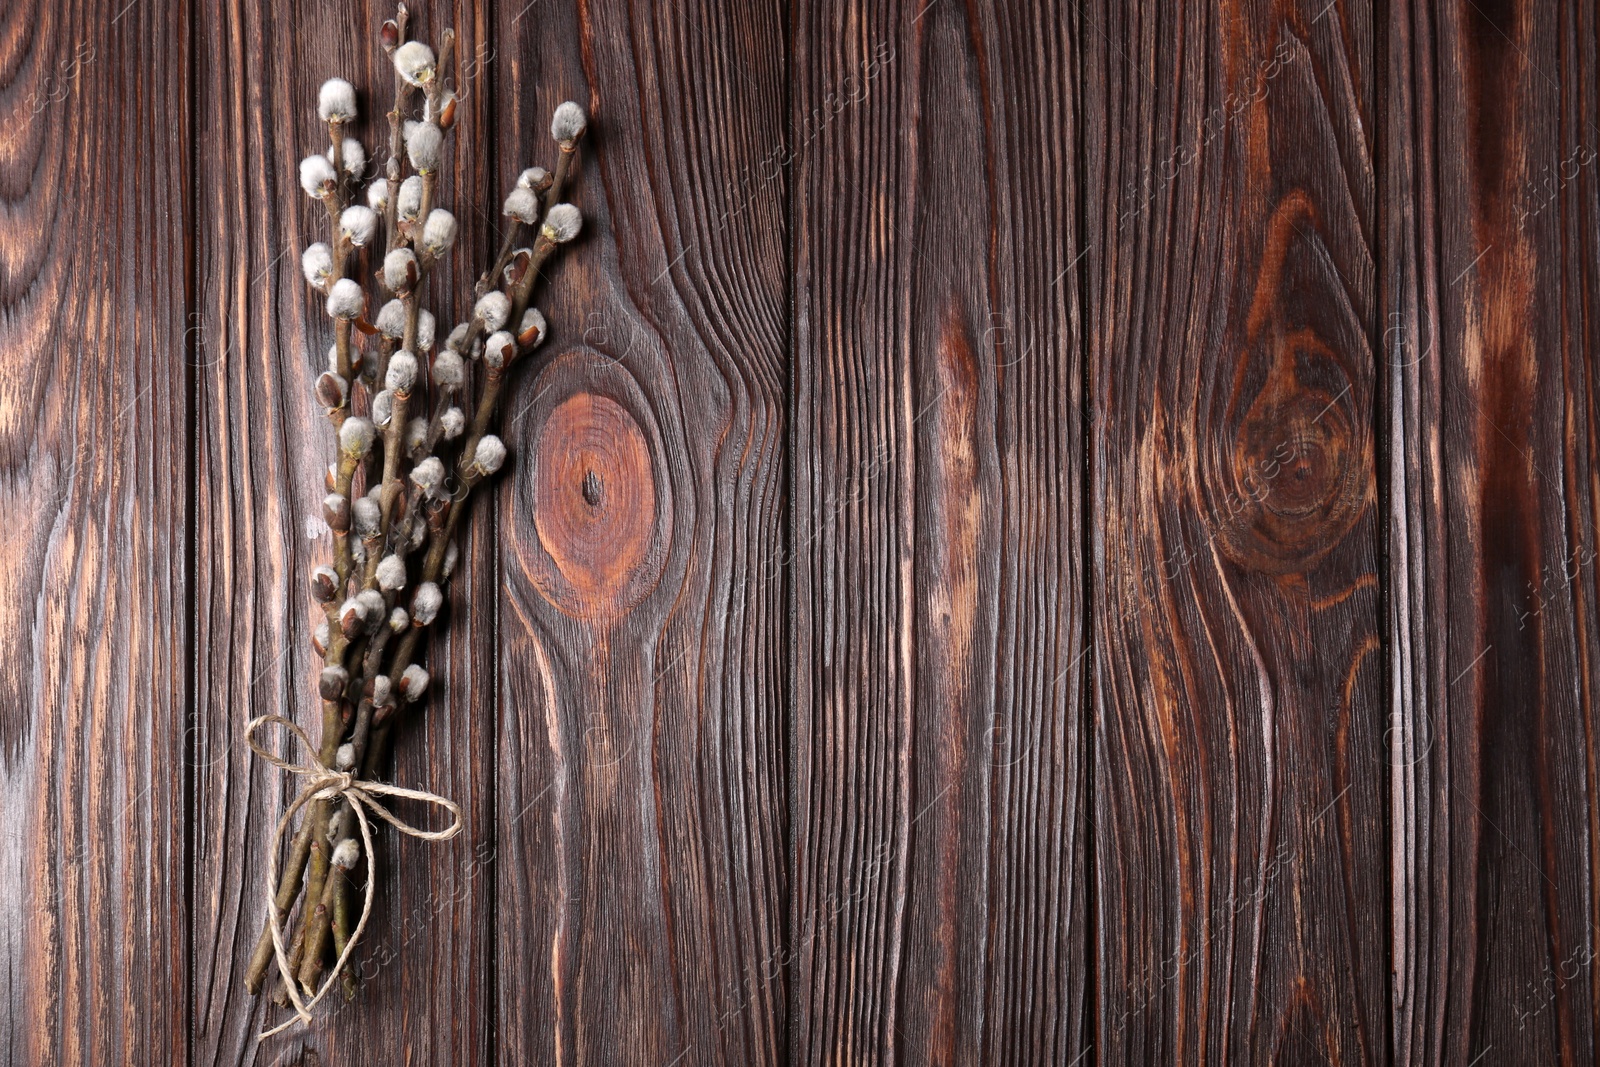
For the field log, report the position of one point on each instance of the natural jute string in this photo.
(323, 783)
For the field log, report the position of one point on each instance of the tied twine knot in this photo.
(324, 783)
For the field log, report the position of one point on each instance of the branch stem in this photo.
(490, 279)
(564, 162)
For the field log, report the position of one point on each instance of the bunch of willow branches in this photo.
(413, 426)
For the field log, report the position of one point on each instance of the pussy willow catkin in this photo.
(413, 422)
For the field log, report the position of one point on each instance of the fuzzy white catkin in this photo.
(423, 142)
(320, 635)
(490, 455)
(353, 157)
(380, 683)
(452, 422)
(317, 176)
(345, 299)
(399, 268)
(359, 224)
(373, 609)
(533, 319)
(425, 603)
(439, 232)
(324, 587)
(333, 358)
(378, 195)
(452, 556)
(416, 437)
(391, 320)
(458, 337)
(402, 373)
(414, 682)
(532, 178)
(382, 408)
(499, 349)
(356, 435)
(449, 371)
(336, 101)
(492, 310)
(346, 852)
(332, 389)
(345, 758)
(317, 263)
(425, 327)
(562, 224)
(508, 276)
(410, 204)
(414, 61)
(399, 619)
(428, 475)
(366, 515)
(522, 205)
(568, 123)
(391, 573)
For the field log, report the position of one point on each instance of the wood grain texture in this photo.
(262, 445)
(640, 860)
(1489, 295)
(1045, 532)
(1239, 803)
(94, 138)
(938, 909)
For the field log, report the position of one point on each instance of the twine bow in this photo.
(324, 783)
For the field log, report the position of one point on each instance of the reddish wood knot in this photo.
(1299, 468)
(594, 504)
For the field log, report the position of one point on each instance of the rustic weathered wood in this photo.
(938, 885)
(94, 137)
(1239, 803)
(1489, 294)
(640, 861)
(261, 446)
(1161, 629)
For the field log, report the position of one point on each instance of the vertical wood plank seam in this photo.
(1382, 451)
(191, 540)
(907, 513)
(1088, 750)
(786, 585)
(786, 552)
(483, 36)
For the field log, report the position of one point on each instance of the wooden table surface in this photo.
(1050, 531)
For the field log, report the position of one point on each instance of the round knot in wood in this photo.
(594, 500)
(1298, 467)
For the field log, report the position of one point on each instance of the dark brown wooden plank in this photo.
(640, 867)
(938, 910)
(94, 406)
(1239, 805)
(262, 446)
(1490, 295)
